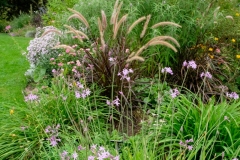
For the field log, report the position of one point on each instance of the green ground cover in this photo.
(12, 68)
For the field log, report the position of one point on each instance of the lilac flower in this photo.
(54, 141)
(191, 64)
(116, 158)
(63, 154)
(80, 148)
(77, 94)
(115, 102)
(235, 159)
(174, 92)
(206, 74)
(87, 92)
(31, 97)
(91, 157)
(125, 74)
(74, 155)
(190, 147)
(185, 63)
(185, 144)
(233, 95)
(53, 133)
(167, 70)
(79, 85)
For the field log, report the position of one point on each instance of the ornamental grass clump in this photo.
(110, 55)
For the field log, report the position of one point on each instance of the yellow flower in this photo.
(216, 39)
(210, 49)
(237, 14)
(211, 56)
(11, 111)
(203, 47)
(238, 56)
(233, 40)
(13, 135)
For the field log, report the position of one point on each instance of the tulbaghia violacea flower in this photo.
(191, 64)
(186, 145)
(206, 74)
(31, 97)
(167, 70)
(232, 95)
(125, 74)
(174, 92)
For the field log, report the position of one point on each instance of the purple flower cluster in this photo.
(206, 74)
(115, 102)
(174, 92)
(81, 92)
(53, 133)
(167, 70)
(101, 153)
(186, 144)
(191, 64)
(31, 97)
(125, 74)
(233, 95)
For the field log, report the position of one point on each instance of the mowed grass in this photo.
(12, 68)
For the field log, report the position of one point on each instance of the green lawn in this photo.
(12, 68)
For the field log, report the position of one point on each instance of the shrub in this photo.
(20, 21)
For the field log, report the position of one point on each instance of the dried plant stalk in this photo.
(145, 26)
(124, 18)
(135, 23)
(164, 24)
(79, 16)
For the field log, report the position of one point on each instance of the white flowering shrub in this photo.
(40, 49)
(41, 45)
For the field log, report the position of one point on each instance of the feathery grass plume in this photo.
(145, 26)
(215, 12)
(118, 25)
(164, 43)
(230, 17)
(135, 58)
(79, 16)
(140, 50)
(114, 12)
(131, 55)
(101, 30)
(164, 24)
(104, 20)
(160, 38)
(64, 46)
(77, 33)
(135, 23)
(51, 30)
(115, 17)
